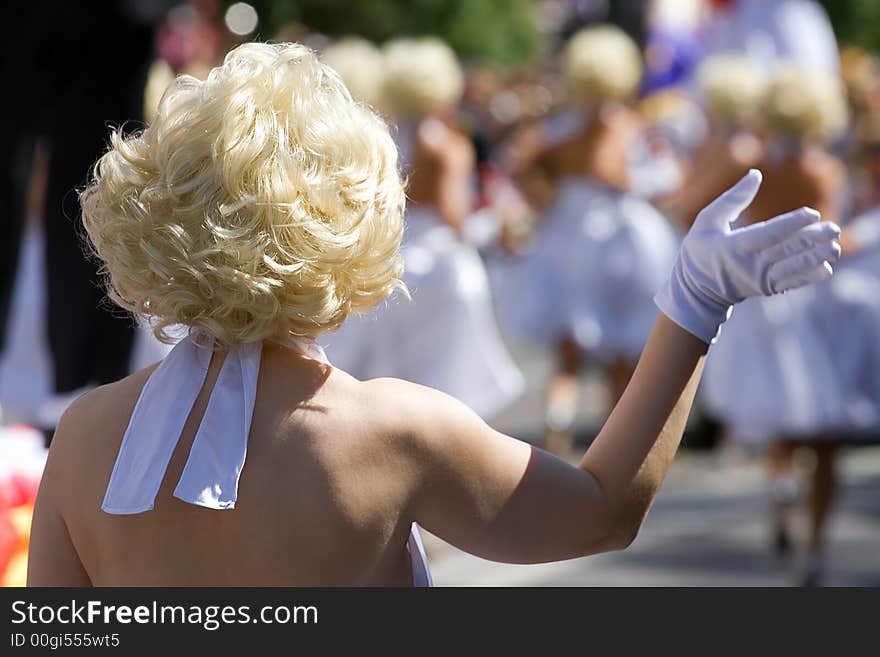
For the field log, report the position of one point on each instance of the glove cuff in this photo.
(692, 311)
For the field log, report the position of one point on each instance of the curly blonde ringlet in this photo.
(805, 104)
(259, 203)
(732, 88)
(422, 75)
(602, 63)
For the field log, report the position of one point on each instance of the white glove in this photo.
(718, 267)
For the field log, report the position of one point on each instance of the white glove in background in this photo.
(718, 267)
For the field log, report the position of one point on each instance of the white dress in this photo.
(865, 230)
(445, 336)
(591, 273)
(803, 365)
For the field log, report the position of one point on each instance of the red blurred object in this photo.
(24, 488)
(8, 493)
(9, 541)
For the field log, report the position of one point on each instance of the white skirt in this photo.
(591, 273)
(445, 336)
(802, 365)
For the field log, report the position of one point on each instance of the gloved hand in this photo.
(718, 267)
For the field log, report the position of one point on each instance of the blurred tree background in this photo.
(502, 31)
(856, 22)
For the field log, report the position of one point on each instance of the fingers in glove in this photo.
(726, 208)
(802, 240)
(800, 264)
(767, 233)
(815, 275)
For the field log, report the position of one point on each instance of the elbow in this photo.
(627, 535)
(621, 537)
(624, 516)
(623, 529)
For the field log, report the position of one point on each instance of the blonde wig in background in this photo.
(259, 203)
(732, 88)
(361, 66)
(422, 75)
(805, 105)
(602, 63)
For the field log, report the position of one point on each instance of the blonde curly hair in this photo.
(805, 104)
(422, 75)
(260, 203)
(732, 88)
(602, 63)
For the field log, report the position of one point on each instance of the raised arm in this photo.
(503, 500)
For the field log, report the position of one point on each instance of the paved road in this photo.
(708, 527)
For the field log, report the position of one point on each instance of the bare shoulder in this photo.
(427, 423)
(88, 435)
(105, 404)
(410, 405)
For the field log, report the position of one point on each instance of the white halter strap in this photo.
(217, 456)
(210, 477)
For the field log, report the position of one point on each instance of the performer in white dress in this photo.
(861, 233)
(797, 369)
(260, 209)
(585, 284)
(731, 90)
(445, 335)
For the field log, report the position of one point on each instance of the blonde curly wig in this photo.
(732, 88)
(422, 75)
(261, 202)
(602, 63)
(805, 104)
(361, 66)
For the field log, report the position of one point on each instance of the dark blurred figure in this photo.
(66, 61)
(18, 128)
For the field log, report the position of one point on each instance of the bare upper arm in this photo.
(493, 495)
(52, 557)
(85, 443)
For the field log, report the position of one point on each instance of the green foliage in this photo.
(856, 22)
(487, 30)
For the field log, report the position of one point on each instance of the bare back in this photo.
(319, 498)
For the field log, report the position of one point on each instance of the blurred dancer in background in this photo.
(731, 89)
(361, 66)
(445, 336)
(801, 369)
(773, 31)
(861, 235)
(188, 41)
(600, 252)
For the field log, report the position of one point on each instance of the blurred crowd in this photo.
(546, 201)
